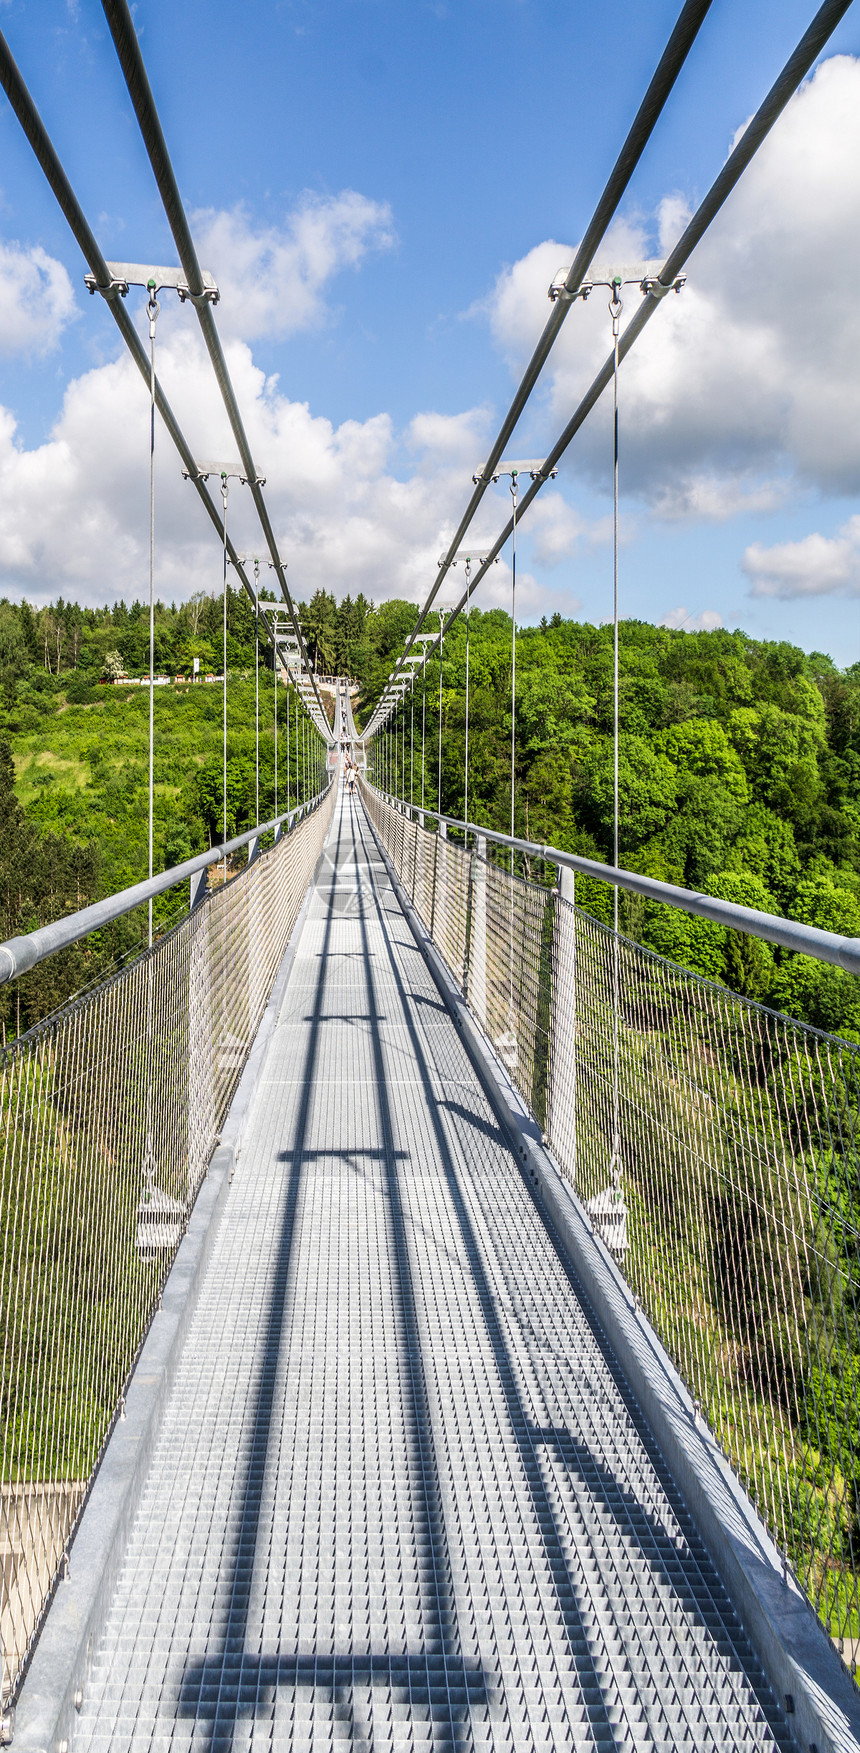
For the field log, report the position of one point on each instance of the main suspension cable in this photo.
(671, 62)
(45, 153)
(795, 70)
(122, 30)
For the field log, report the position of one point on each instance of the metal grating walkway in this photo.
(401, 1498)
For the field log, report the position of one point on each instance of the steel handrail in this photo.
(19, 954)
(790, 934)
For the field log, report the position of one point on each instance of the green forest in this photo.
(739, 775)
(74, 768)
(739, 769)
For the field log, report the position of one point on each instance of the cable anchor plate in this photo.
(126, 274)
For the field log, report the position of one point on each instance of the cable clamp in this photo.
(653, 286)
(209, 295)
(559, 293)
(114, 289)
(534, 468)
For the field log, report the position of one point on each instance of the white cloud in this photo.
(742, 390)
(814, 566)
(271, 279)
(714, 498)
(74, 510)
(749, 376)
(37, 300)
(555, 529)
(681, 619)
(451, 436)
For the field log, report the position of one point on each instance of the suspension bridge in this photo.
(411, 1286)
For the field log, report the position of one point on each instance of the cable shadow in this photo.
(639, 1525)
(421, 999)
(594, 1691)
(438, 1684)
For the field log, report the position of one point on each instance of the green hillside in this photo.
(739, 776)
(740, 766)
(74, 771)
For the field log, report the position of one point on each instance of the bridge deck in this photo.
(401, 1497)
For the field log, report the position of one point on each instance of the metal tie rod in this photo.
(784, 87)
(134, 72)
(34, 129)
(671, 62)
(791, 934)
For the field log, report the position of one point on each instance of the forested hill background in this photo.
(740, 762)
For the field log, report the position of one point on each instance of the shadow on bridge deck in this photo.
(401, 1496)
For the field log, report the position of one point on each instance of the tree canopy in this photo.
(739, 761)
(739, 775)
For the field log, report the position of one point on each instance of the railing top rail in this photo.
(18, 954)
(807, 940)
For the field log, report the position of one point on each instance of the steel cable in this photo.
(439, 760)
(615, 1165)
(756, 131)
(686, 29)
(738, 1232)
(468, 570)
(108, 1128)
(35, 131)
(152, 313)
(131, 61)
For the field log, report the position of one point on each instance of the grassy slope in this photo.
(83, 770)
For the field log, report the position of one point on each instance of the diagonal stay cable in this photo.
(35, 131)
(671, 62)
(784, 87)
(134, 72)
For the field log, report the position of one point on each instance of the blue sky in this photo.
(383, 185)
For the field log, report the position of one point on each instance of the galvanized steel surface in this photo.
(110, 1112)
(18, 954)
(791, 934)
(401, 1498)
(716, 1147)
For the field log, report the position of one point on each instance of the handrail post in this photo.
(198, 888)
(561, 1115)
(440, 891)
(201, 1108)
(477, 992)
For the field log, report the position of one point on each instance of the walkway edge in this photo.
(46, 1712)
(810, 1682)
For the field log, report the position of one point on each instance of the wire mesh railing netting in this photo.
(715, 1147)
(111, 1109)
